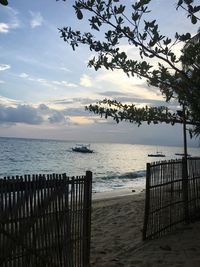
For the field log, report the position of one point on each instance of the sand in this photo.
(116, 237)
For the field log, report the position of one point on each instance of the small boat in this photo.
(182, 154)
(82, 148)
(158, 154)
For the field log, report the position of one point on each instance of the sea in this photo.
(114, 166)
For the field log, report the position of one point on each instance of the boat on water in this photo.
(182, 154)
(82, 148)
(157, 154)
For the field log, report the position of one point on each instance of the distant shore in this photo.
(116, 236)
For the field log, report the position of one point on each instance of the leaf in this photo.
(167, 41)
(4, 2)
(193, 19)
(180, 2)
(95, 27)
(79, 14)
(135, 16)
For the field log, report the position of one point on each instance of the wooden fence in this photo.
(172, 195)
(45, 221)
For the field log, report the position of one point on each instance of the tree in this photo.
(171, 75)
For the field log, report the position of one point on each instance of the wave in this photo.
(124, 176)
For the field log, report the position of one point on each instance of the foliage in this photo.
(132, 114)
(4, 2)
(175, 80)
(176, 77)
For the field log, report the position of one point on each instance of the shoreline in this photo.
(117, 193)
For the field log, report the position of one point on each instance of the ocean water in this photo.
(114, 166)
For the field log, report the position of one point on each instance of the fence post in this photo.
(147, 200)
(87, 218)
(185, 188)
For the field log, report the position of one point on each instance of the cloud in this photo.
(4, 27)
(118, 81)
(76, 101)
(20, 114)
(36, 19)
(140, 102)
(4, 67)
(12, 112)
(7, 102)
(43, 107)
(58, 117)
(45, 82)
(23, 75)
(86, 81)
(13, 21)
(62, 102)
(64, 83)
(76, 112)
(65, 69)
(112, 93)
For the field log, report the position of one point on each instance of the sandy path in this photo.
(117, 238)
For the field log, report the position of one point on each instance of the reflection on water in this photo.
(113, 165)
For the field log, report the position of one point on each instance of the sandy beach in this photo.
(116, 237)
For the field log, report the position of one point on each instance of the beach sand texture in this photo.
(116, 237)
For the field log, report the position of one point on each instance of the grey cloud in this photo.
(122, 97)
(20, 114)
(76, 112)
(32, 115)
(57, 117)
(83, 101)
(112, 93)
(63, 101)
(43, 107)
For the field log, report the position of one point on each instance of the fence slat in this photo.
(45, 221)
(172, 195)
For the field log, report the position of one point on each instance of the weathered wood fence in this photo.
(172, 195)
(45, 220)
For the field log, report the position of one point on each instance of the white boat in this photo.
(82, 148)
(158, 154)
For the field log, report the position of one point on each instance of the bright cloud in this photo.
(65, 69)
(119, 81)
(36, 19)
(4, 67)
(81, 120)
(64, 83)
(23, 75)
(4, 27)
(46, 82)
(86, 81)
(12, 21)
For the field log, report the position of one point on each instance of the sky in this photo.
(44, 85)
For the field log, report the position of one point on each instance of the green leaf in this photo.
(180, 2)
(4, 2)
(167, 41)
(193, 19)
(135, 16)
(79, 14)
